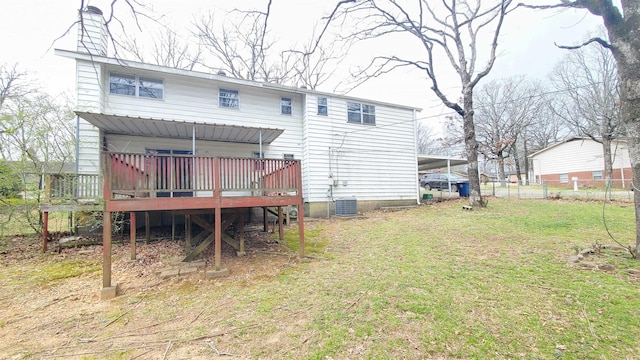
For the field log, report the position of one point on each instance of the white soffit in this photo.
(174, 129)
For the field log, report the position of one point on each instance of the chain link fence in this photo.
(587, 189)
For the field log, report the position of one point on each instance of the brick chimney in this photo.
(92, 32)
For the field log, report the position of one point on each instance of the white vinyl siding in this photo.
(195, 100)
(578, 155)
(89, 98)
(371, 163)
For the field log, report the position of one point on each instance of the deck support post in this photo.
(45, 230)
(173, 227)
(218, 237)
(264, 218)
(187, 232)
(147, 227)
(280, 227)
(132, 232)
(240, 234)
(106, 252)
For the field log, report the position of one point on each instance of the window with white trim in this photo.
(285, 106)
(132, 85)
(323, 107)
(596, 175)
(151, 88)
(229, 98)
(564, 178)
(361, 113)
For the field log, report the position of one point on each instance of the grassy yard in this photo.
(431, 282)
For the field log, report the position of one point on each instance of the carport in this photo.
(430, 162)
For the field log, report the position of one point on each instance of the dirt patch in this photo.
(51, 305)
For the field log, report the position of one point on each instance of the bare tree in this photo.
(547, 127)
(623, 30)
(12, 83)
(504, 109)
(450, 28)
(167, 50)
(587, 79)
(428, 142)
(242, 48)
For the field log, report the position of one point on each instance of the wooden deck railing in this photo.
(159, 175)
(72, 187)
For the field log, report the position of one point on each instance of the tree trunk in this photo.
(608, 165)
(625, 38)
(526, 158)
(502, 176)
(516, 160)
(471, 146)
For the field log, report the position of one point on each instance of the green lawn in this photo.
(431, 282)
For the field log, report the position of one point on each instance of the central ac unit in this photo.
(346, 206)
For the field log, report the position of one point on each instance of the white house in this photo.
(348, 147)
(580, 158)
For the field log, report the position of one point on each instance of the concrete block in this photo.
(217, 273)
(188, 270)
(109, 293)
(169, 273)
(241, 253)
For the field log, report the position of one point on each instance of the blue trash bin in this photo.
(463, 189)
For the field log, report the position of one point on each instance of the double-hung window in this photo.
(361, 113)
(229, 98)
(285, 106)
(132, 85)
(323, 107)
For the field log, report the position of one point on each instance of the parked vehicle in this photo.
(441, 181)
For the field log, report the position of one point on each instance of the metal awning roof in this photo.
(174, 129)
(430, 162)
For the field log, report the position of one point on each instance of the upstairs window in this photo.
(285, 106)
(122, 84)
(361, 113)
(132, 85)
(151, 88)
(323, 108)
(229, 98)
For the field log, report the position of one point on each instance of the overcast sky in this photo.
(28, 30)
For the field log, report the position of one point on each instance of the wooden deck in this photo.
(186, 184)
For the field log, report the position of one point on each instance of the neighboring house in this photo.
(581, 158)
(200, 145)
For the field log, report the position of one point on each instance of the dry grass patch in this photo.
(430, 282)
